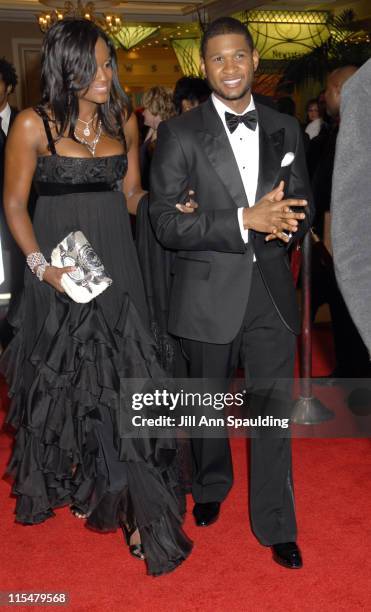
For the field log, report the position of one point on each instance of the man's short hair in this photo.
(225, 25)
(8, 73)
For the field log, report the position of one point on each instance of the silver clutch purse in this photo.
(90, 278)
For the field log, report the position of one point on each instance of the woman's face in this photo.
(151, 120)
(313, 111)
(99, 89)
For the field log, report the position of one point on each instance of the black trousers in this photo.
(266, 349)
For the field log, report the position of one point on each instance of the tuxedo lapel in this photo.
(270, 154)
(215, 143)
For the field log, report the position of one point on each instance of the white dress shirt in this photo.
(5, 118)
(245, 147)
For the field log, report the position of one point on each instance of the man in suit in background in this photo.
(351, 200)
(12, 256)
(352, 359)
(8, 82)
(232, 294)
(323, 146)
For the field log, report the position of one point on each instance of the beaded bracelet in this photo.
(37, 264)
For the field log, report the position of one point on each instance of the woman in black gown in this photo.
(68, 361)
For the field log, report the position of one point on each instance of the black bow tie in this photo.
(250, 119)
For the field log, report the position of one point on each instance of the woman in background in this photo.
(313, 122)
(69, 362)
(158, 106)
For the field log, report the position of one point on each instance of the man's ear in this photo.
(202, 66)
(9, 90)
(255, 59)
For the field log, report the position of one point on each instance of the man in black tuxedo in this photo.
(232, 293)
(12, 256)
(8, 82)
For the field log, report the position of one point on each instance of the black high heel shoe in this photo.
(135, 549)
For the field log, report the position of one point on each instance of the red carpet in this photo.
(228, 569)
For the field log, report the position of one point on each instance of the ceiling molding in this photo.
(171, 11)
(133, 10)
(218, 7)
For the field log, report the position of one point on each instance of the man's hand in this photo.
(273, 216)
(189, 206)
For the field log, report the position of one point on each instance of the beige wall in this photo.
(16, 29)
(147, 67)
(20, 43)
(143, 69)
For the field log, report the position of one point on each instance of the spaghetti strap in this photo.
(41, 112)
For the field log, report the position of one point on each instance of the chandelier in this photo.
(109, 22)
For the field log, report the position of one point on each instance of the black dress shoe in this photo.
(288, 555)
(206, 514)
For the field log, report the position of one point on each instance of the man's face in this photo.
(332, 95)
(229, 66)
(187, 105)
(4, 93)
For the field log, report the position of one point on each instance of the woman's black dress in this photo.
(68, 363)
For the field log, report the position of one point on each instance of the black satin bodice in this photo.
(59, 175)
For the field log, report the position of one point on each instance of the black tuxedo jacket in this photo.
(13, 115)
(212, 268)
(6, 237)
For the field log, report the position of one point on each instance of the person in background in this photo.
(189, 92)
(317, 143)
(312, 110)
(157, 106)
(350, 351)
(314, 120)
(8, 82)
(286, 105)
(324, 145)
(351, 200)
(321, 99)
(155, 261)
(12, 257)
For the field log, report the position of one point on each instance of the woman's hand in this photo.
(190, 206)
(53, 275)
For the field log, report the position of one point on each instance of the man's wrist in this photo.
(246, 217)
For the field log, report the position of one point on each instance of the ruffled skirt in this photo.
(67, 371)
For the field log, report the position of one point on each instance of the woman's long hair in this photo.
(69, 67)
